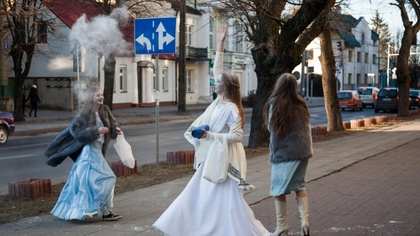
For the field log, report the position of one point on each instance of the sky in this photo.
(367, 9)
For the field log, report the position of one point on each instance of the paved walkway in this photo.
(365, 183)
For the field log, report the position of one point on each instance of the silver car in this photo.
(368, 95)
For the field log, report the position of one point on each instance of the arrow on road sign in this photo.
(163, 39)
(143, 40)
(155, 35)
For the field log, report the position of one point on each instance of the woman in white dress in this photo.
(205, 207)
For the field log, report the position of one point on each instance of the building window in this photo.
(164, 77)
(189, 35)
(350, 56)
(366, 58)
(350, 78)
(238, 37)
(374, 59)
(211, 35)
(190, 80)
(42, 32)
(123, 78)
(359, 56)
(359, 77)
(363, 39)
(366, 79)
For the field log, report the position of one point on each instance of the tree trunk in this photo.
(403, 73)
(276, 53)
(329, 81)
(109, 71)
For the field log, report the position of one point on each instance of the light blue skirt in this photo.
(287, 177)
(89, 187)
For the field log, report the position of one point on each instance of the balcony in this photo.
(194, 53)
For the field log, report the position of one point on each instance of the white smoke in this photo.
(102, 33)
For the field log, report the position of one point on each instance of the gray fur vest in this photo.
(293, 145)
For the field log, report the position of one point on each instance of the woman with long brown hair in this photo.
(287, 118)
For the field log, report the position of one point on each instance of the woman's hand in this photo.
(222, 34)
(204, 133)
(103, 130)
(118, 131)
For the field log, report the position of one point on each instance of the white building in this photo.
(356, 52)
(54, 66)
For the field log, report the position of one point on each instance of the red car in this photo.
(350, 99)
(7, 126)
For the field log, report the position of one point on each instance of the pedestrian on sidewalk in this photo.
(89, 189)
(287, 118)
(34, 100)
(215, 208)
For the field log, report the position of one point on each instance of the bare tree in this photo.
(279, 40)
(27, 26)
(410, 31)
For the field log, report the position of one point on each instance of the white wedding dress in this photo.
(207, 209)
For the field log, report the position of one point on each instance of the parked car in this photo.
(387, 100)
(7, 126)
(415, 98)
(350, 99)
(368, 95)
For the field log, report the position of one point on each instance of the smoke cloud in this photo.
(102, 34)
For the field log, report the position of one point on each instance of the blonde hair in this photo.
(233, 92)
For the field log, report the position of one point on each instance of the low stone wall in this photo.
(30, 188)
(180, 157)
(121, 170)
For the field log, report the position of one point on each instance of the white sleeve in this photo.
(218, 65)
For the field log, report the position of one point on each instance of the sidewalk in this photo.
(331, 158)
(55, 121)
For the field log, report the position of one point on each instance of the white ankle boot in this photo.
(281, 213)
(303, 207)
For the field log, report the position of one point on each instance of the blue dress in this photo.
(89, 189)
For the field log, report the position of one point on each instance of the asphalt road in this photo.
(23, 157)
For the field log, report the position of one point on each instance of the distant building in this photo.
(356, 52)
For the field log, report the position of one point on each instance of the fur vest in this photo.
(291, 146)
(81, 131)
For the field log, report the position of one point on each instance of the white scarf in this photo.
(237, 157)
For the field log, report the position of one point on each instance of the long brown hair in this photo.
(287, 105)
(233, 92)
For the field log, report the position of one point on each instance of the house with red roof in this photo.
(75, 48)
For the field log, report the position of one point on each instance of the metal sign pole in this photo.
(157, 105)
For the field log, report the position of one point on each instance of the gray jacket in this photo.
(81, 131)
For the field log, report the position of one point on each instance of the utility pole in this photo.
(182, 81)
(4, 63)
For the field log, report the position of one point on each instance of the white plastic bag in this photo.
(217, 161)
(124, 151)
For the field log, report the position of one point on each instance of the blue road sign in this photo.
(155, 35)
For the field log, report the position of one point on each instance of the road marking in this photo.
(17, 157)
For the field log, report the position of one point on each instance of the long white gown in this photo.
(205, 208)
